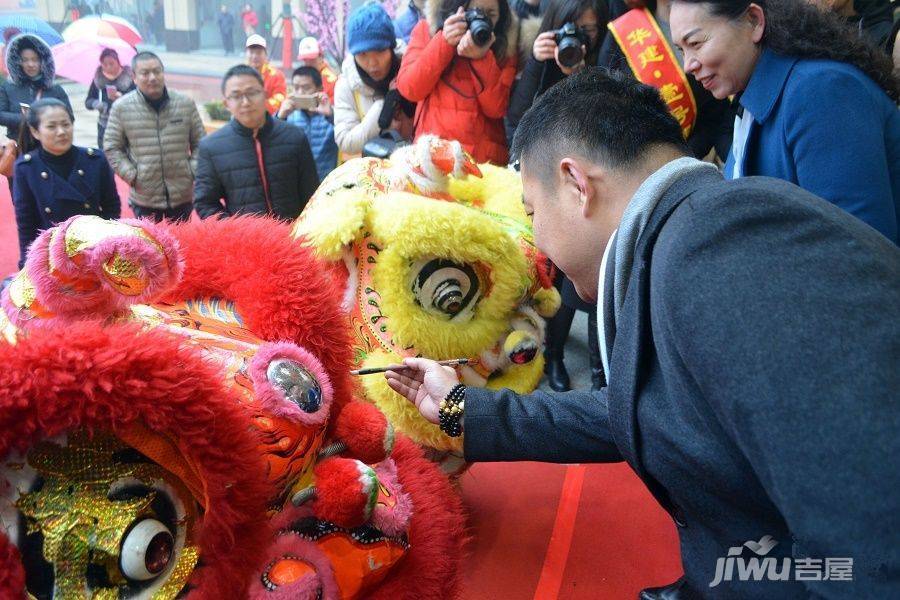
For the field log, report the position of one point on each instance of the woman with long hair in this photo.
(58, 180)
(544, 67)
(818, 105)
(459, 67)
(706, 121)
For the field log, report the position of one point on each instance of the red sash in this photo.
(653, 62)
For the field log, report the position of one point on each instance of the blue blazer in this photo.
(42, 198)
(830, 129)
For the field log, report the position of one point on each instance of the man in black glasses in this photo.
(255, 164)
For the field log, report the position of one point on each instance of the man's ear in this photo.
(574, 176)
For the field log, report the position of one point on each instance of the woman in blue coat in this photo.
(817, 105)
(58, 180)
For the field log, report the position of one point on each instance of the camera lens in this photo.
(479, 26)
(569, 43)
(570, 52)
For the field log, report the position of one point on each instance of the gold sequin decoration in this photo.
(80, 525)
(125, 275)
(21, 291)
(88, 231)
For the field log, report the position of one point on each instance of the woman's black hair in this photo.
(560, 12)
(501, 29)
(110, 52)
(795, 28)
(32, 120)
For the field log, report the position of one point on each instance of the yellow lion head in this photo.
(439, 260)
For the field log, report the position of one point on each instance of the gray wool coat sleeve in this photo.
(569, 427)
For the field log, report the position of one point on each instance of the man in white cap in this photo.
(310, 53)
(273, 79)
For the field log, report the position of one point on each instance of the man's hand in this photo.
(424, 383)
(287, 107)
(114, 95)
(324, 108)
(469, 49)
(455, 27)
(544, 47)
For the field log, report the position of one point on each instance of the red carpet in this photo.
(539, 531)
(582, 532)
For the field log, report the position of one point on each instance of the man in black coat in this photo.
(225, 20)
(256, 164)
(751, 348)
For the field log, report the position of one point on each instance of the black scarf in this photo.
(392, 98)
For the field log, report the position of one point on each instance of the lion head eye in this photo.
(146, 550)
(445, 287)
(296, 382)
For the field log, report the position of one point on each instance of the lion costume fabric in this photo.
(176, 417)
(437, 259)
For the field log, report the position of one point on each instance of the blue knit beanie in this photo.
(369, 28)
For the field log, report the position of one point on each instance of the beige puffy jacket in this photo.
(154, 152)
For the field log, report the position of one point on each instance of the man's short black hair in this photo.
(604, 116)
(237, 70)
(311, 72)
(142, 56)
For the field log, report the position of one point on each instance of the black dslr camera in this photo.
(569, 41)
(480, 26)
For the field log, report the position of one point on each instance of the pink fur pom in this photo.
(161, 270)
(392, 521)
(273, 398)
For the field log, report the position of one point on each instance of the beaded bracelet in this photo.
(451, 411)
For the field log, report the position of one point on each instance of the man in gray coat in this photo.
(151, 142)
(749, 333)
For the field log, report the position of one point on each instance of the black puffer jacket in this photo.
(228, 169)
(20, 88)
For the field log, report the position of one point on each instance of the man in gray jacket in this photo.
(750, 340)
(151, 141)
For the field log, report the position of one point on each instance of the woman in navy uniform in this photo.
(58, 180)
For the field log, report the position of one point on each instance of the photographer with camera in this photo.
(366, 102)
(569, 38)
(570, 35)
(459, 68)
(309, 108)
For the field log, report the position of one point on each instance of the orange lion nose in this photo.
(444, 158)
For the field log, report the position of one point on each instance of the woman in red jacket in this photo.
(462, 88)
